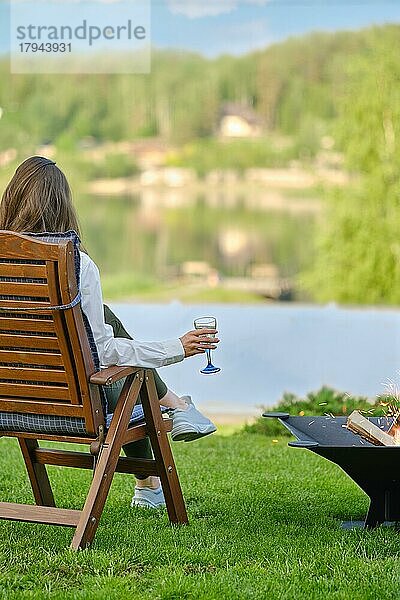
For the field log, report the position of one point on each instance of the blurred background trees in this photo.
(292, 86)
(358, 258)
(325, 91)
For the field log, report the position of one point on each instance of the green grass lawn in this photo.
(264, 523)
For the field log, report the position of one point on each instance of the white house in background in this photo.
(239, 121)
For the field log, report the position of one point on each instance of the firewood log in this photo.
(368, 430)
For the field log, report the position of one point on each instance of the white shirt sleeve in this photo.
(120, 351)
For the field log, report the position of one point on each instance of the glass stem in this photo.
(208, 356)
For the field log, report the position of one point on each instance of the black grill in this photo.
(374, 468)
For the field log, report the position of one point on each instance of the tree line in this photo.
(293, 86)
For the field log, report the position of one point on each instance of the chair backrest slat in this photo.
(17, 288)
(34, 406)
(22, 303)
(24, 374)
(28, 341)
(33, 271)
(20, 357)
(45, 358)
(38, 390)
(31, 323)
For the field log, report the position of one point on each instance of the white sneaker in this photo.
(189, 424)
(148, 497)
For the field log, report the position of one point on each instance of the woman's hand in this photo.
(198, 341)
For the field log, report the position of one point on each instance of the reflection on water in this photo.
(154, 232)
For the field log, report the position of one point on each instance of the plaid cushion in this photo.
(52, 423)
(41, 423)
(136, 416)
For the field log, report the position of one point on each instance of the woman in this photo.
(38, 199)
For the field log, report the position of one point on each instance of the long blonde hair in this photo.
(37, 199)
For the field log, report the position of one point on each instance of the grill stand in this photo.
(375, 469)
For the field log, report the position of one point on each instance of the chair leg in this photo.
(37, 473)
(106, 463)
(162, 452)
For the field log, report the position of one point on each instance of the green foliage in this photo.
(291, 85)
(325, 401)
(129, 284)
(358, 250)
(205, 155)
(113, 166)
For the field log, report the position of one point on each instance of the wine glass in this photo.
(207, 323)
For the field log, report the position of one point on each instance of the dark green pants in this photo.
(141, 448)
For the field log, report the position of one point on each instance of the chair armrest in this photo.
(110, 375)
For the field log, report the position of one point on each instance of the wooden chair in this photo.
(50, 388)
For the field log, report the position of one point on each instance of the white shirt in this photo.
(120, 351)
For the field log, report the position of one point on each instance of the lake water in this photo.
(151, 234)
(266, 350)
